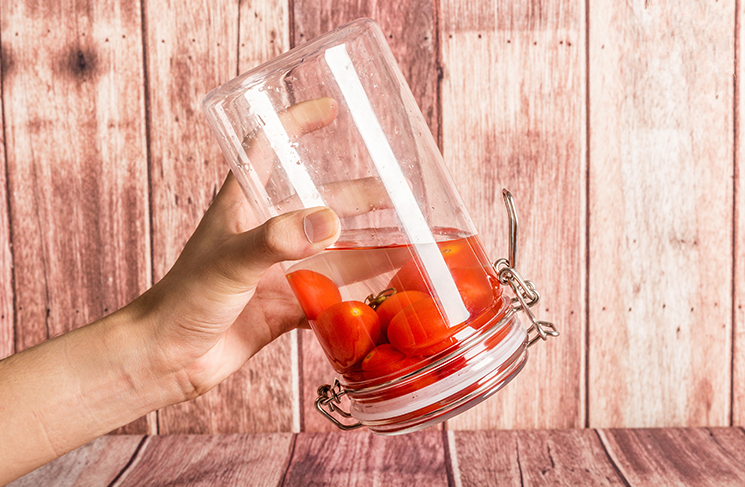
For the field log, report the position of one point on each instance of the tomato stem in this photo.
(374, 301)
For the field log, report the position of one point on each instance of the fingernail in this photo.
(320, 225)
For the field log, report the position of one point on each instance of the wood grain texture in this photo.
(188, 57)
(639, 458)
(532, 457)
(467, 448)
(7, 335)
(660, 299)
(738, 359)
(410, 30)
(208, 460)
(76, 156)
(97, 463)
(676, 457)
(362, 458)
(730, 440)
(264, 32)
(513, 116)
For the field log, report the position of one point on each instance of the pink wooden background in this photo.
(614, 124)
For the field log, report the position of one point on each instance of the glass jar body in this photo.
(397, 300)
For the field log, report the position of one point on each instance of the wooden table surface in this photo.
(631, 457)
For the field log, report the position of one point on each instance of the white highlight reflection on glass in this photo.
(282, 144)
(407, 208)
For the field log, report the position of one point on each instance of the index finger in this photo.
(297, 120)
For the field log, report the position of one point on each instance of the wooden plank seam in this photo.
(611, 459)
(452, 453)
(132, 461)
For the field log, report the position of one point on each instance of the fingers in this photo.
(308, 116)
(229, 213)
(356, 196)
(242, 259)
(349, 198)
(297, 120)
(346, 198)
(245, 254)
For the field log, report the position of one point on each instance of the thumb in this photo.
(291, 236)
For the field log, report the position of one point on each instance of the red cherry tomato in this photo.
(315, 291)
(464, 252)
(382, 360)
(493, 314)
(460, 253)
(438, 347)
(347, 331)
(393, 304)
(417, 327)
(387, 362)
(409, 278)
(475, 288)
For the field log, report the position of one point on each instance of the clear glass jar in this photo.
(406, 305)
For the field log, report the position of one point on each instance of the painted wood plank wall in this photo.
(615, 125)
(75, 163)
(738, 289)
(661, 202)
(513, 116)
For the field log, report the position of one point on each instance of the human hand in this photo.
(224, 299)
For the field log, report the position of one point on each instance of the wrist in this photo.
(151, 377)
(69, 390)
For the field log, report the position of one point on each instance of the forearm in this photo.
(67, 391)
(185, 335)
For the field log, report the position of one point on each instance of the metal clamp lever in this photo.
(525, 292)
(526, 295)
(328, 395)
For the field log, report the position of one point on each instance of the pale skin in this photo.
(222, 301)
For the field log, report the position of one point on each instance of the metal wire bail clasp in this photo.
(329, 396)
(526, 295)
